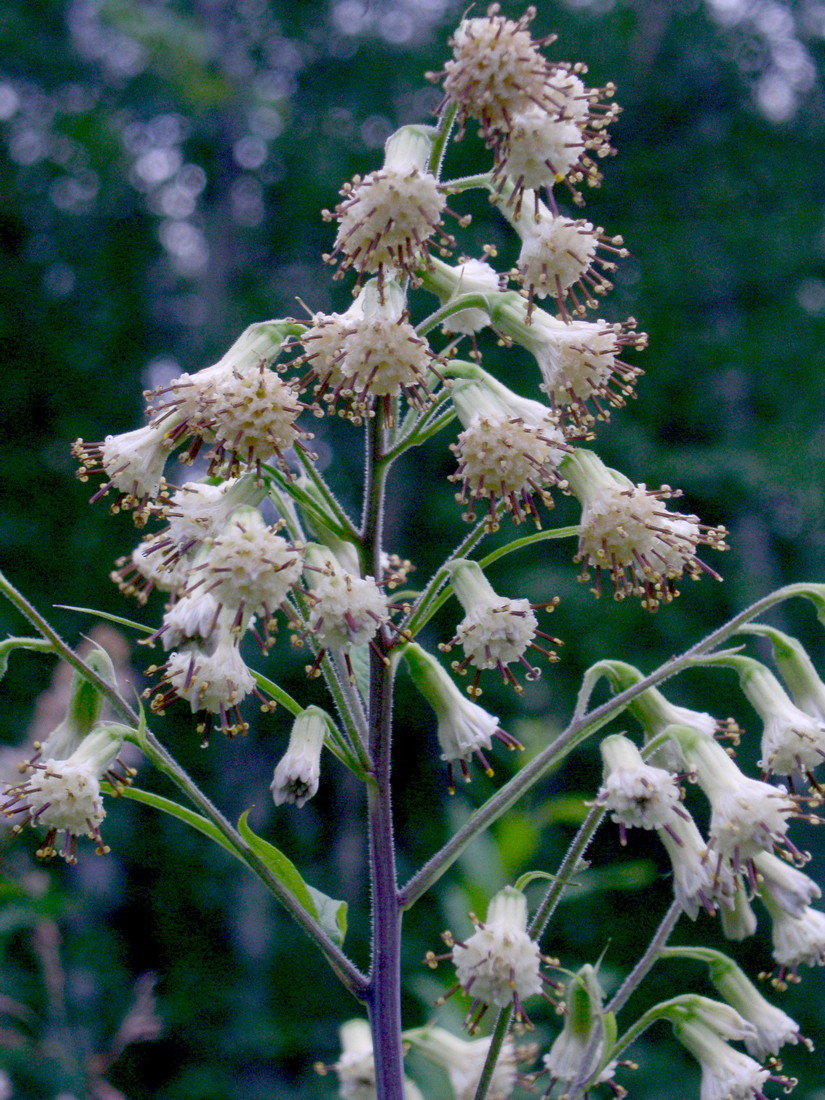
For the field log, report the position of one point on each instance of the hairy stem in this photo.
(384, 988)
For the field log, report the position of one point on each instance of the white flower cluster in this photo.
(237, 406)
(541, 119)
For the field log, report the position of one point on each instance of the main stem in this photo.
(384, 987)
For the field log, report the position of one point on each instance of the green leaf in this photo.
(330, 913)
(283, 868)
(39, 645)
(118, 619)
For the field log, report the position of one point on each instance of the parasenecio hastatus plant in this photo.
(259, 545)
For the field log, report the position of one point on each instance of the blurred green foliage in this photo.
(162, 169)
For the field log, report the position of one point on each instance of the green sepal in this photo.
(85, 698)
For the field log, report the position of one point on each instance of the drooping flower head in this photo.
(252, 418)
(560, 259)
(793, 741)
(636, 794)
(379, 357)
(356, 1066)
(796, 939)
(496, 70)
(182, 407)
(747, 816)
(578, 1049)
(299, 770)
(464, 1059)
(249, 569)
(774, 1028)
(727, 1074)
(509, 452)
(63, 795)
(495, 631)
(582, 371)
(627, 532)
(211, 677)
(133, 463)
(347, 610)
(464, 728)
(499, 963)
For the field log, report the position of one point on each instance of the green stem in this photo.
(429, 601)
(442, 135)
(640, 971)
(425, 428)
(572, 863)
(496, 1043)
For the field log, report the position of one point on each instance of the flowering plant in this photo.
(258, 545)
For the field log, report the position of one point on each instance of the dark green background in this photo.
(162, 169)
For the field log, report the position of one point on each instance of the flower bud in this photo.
(297, 775)
(582, 1036)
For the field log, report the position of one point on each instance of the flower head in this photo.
(727, 1074)
(696, 883)
(63, 795)
(793, 741)
(253, 418)
(356, 1066)
(774, 1028)
(582, 1036)
(508, 453)
(464, 1059)
(199, 510)
(747, 816)
(637, 794)
(791, 889)
(469, 277)
(579, 361)
(499, 963)
(347, 610)
(299, 770)
(495, 631)
(249, 569)
(388, 217)
(796, 940)
(133, 462)
(497, 71)
(182, 406)
(212, 677)
(371, 352)
(559, 259)
(464, 728)
(626, 530)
